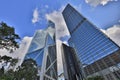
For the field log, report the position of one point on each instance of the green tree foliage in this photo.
(96, 78)
(27, 71)
(8, 59)
(9, 75)
(5, 60)
(2, 71)
(8, 37)
(13, 62)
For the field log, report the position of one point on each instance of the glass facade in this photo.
(36, 48)
(71, 65)
(90, 43)
(72, 18)
(37, 56)
(43, 50)
(51, 64)
(38, 41)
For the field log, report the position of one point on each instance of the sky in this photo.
(27, 16)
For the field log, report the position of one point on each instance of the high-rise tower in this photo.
(72, 70)
(43, 50)
(68, 67)
(98, 54)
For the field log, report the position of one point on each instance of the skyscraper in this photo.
(43, 50)
(71, 67)
(98, 54)
(67, 63)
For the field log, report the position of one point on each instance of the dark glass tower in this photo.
(94, 49)
(71, 67)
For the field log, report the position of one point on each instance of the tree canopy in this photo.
(8, 37)
(27, 71)
(95, 78)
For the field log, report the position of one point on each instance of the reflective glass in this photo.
(90, 43)
(38, 41)
(37, 56)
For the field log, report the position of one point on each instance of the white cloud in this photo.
(5, 52)
(19, 53)
(98, 2)
(35, 18)
(113, 33)
(57, 18)
(61, 32)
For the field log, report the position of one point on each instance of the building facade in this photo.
(98, 54)
(43, 50)
(71, 67)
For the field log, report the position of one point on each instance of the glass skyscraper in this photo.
(71, 67)
(94, 49)
(43, 50)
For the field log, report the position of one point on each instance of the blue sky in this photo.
(19, 13)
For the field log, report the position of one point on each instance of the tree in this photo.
(9, 75)
(95, 78)
(8, 37)
(5, 60)
(13, 62)
(27, 71)
(3, 74)
(0, 59)
(1, 71)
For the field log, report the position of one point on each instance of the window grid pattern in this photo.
(72, 22)
(94, 49)
(91, 43)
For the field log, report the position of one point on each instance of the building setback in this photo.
(98, 54)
